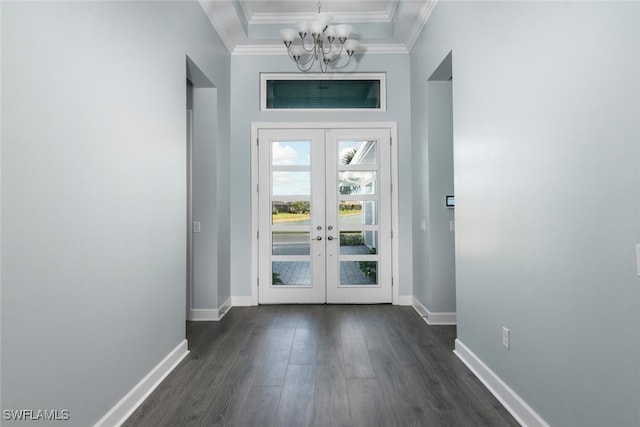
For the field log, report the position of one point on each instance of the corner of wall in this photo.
(433, 318)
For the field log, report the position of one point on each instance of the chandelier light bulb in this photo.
(302, 28)
(296, 52)
(288, 35)
(325, 19)
(351, 45)
(343, 31)
(327, 57)
(330, 32)
(316, 27)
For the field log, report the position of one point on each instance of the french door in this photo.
(324, 227)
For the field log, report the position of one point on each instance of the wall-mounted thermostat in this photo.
(450, 201)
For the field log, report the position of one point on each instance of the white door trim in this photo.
(393, 128)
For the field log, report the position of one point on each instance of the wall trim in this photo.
(210, 314)
(134, 398)
(512, 402)
(431, 318)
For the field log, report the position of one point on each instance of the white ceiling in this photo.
(253, 26)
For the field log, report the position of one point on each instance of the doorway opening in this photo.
(201, 221)
(441, 268)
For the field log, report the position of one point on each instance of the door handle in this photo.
(330, 238)
(319, 238)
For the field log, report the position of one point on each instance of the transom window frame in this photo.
(381, 77)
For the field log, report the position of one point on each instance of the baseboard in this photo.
(513, 403)
(134, 398)
(241, 301)
(224, 308)
(210, 314)
(433, 318)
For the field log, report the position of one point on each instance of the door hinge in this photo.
(257, 141)
(392, 282)
(390, 141)
(257, 188)
(258, 282)
(391, 187)
(257, 234)
(392, 234)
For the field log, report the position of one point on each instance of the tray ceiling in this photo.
(253, 26)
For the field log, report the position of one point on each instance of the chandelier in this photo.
(327, 43)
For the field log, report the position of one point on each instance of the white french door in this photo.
(324, 227)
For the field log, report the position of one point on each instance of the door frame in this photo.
(393, 129)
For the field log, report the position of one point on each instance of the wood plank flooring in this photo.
(320, 365)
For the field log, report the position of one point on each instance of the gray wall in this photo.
(245, 110)
(93, 195)
(546, 113)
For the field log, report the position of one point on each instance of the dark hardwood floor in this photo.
(321, 365)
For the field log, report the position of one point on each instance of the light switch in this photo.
(196, 227)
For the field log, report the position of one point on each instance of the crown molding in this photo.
(220, 13)
(419, 24)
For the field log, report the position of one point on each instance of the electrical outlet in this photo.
(506, 337)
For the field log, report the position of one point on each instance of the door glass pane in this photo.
(358, 272)
(358, 242)
(291, 183)
(291, 243)
(291, 153)
(358, 153)
(357, 182)
(354, 213)
(290, 213)
(287, 273)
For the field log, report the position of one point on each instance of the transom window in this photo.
(340, 91)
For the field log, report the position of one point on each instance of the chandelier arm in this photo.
(310, 59)
(302, 68)
(339, 67)
(328, 50)
(311, 49)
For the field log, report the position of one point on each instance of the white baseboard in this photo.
(134, 398)
(242, 301)
(224, 308)
(403, 300)
(210, 314)
(433, 318)
(513, 403)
